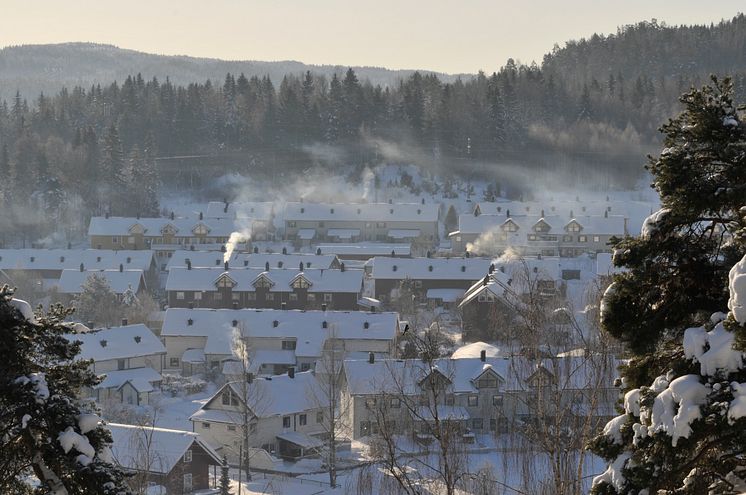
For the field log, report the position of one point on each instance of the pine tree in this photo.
(97, 302)
(47, 430)
(112, 169)
(225, 480)
(681, 431)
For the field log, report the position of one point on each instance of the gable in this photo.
(168, 229)
(225, 281)
(262, 281)
(509, 226)
(136, 229)
(200, 229)
(573, 226)
(542, 226)
(300, 282)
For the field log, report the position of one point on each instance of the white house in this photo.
(72, 281)
(129, 359)
(285, 415)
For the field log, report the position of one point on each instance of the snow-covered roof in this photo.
(306, 234)
(140, 378)
(72, 281)
(321, 280)
(250, 260)
(365, 249)
(61, 259)
(404, 233)
(633, 210)
(343, 233)
(363, 212)
(166, 447)
(272, 396)
(475, 349)
(118, 343)
(307, 327)
(262, 357)
(241, 209)
(193, 356)
(154, 227)
(590, 225)
(301, 439)
(385, 268)
(405, 375)
(445, 295)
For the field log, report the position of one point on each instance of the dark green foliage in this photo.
(33, 353)
(224, 478)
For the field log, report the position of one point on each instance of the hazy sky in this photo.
(449, 36)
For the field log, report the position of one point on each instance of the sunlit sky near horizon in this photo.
(447, 36)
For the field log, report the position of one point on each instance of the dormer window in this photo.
(137, 339)
(509, 226)
(574, 227)
(190, 322)
(224, 281)
(366, 325)
(302, 210)
(324, 324)
(300, 282)
(262, 282)
(137, 229)
(200, 229)
(62, 259)
(331, 210)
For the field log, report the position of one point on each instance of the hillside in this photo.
(36, 68)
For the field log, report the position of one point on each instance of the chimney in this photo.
(103, 343)
(341, 267)
(225, 266)
(191, 247)
(318, 251)
(284, 250)
(249, 377)
(372, 309)
(371, 358)
(69, 245)
(201, 217)
(491, 270)
(90, 324)
(225, 208)
(391, 201)
(485, 280)
(138, 215)
(483, 355)
(222, 248)
(283, 305)
(234, 323)
(106, 215)
(538, 256)
(507, 213)
(190, 322)
(300, 266)
(323, 306)
(245, 262)
(171, 216)
(82, 268)
(129, 260)
(423, 201)
(189, 264)
(121, 268)
(256, 249)
(291, 372)
(266, 266)
(124, 322)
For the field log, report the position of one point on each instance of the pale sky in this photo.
(447, 36)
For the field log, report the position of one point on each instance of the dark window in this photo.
(286, 422)
(302, 419)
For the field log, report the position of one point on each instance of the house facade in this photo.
(284, 288)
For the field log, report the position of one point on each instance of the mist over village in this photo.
(372, 248)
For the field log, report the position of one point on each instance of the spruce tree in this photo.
(97, 302)
(225, 481)
(47, 431)
(681, 431)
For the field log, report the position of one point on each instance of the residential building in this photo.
(283, 288)
(179, 461)
(307, 223)
(129, 359)
(277, 339)
(206, 259)
(120, 280)
(285, 416)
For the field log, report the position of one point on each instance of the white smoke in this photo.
(234, 240)
(368, 183)
(488, 243)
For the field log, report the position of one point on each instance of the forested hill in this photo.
(36, 68)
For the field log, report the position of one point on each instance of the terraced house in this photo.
(307, 223)
(284, 288)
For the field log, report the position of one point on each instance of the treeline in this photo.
(91, 150)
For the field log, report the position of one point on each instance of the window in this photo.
(288, 345)
(206, 426)
(187, 482)
(217, 296)
(370, 402)
(566, 238)
(477, 423)
(174, 362)
(270, 296)
(320, 417)
(321, 224)
(327, 297)
(214, 364)
(115, 240)
(291, 224)
(235, 296)
(305, 366)
(582, 238)
(497, 400)
(473, 401)
(229, 398)
(180, 296)
(286, 422)
(395, 402)
(418, 284)
(596, 238)
(381, 225)
(293, 296)
(197, 296)
(188, 456)
(531, 237)
(120, 364)
(487, 382)
(450, 400)
(302, 420)
(311, 298)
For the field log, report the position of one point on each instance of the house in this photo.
(120, 280)
(129, 359)
(477, 395)
(285, 415)
(426, 274)
(277, 339)
(47, 265)
(177, 460)
(363, 251)
(206, 259)
(283, 288)
(164, 235)
(307, 223)
(532, 235)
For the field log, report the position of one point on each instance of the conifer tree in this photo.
(224, 478)
(47, 430)
(97, 302)
(682, 430)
